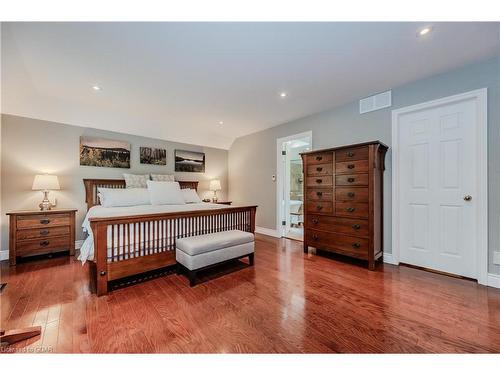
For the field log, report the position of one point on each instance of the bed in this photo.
(129, 241)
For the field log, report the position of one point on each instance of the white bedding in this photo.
(87, 249)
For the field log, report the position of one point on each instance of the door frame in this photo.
(280, 175)
(480, 96)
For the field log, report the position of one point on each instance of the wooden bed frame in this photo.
(160, 252)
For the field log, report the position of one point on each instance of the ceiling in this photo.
(177, 81)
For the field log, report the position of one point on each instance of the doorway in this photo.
(440, 185)
(290, 187)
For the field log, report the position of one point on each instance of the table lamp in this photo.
(215, 186)
(45, 182)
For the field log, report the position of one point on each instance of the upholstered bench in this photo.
(201, 252)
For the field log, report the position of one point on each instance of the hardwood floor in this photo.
(289, 302)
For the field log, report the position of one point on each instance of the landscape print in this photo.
(189, 161)
(99, 152)
(150, 155)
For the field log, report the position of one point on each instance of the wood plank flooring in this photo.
(290, 302)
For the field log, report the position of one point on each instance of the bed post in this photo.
(100, 256)
(252, 219)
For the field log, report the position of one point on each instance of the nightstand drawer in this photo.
(29, 234)
(41, 246)
(42, 221)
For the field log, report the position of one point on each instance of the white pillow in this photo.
(165, 192)
(123, 197)
(135, 180)
(162, 177)
(190, 196)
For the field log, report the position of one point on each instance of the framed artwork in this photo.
(155, 156)
(189, 161)
(100, 152)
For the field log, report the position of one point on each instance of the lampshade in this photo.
(215, 185)
(45, 182)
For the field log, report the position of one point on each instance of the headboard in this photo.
(91, 186)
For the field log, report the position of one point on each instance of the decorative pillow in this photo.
(165, 192)
(162, 177)
(123, 197)
(135, 180)
(190, 196)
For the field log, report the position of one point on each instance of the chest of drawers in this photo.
(344, 200)
(41, 232)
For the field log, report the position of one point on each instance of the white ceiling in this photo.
(176, 81)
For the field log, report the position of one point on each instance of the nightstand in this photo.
(41, 232)
(224, 202)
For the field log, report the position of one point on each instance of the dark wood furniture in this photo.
(224, 202)
(344, 200)
(41, 232)
(161, 231)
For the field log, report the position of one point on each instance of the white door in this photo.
(437, 182)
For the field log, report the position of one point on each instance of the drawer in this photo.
(320, 170)
(356, 227)
(320, 158)
(319, 207)
(319, 181)
(348, 245)
(348, 209)
(320, 194)
(355, 153)
(352, 180)
(41, 246)
(355, 166)
(41, 221)
(351, 194)
(28, 234)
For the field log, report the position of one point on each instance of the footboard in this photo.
(130, 245)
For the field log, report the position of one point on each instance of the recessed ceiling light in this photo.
(96, 88)
(283, 94)
(425, 31)
(221, 122)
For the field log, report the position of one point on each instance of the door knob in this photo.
(467, 198)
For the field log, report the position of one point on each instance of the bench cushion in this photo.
(213, 241)
(213, 257)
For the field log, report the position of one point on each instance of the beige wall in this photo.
(252, 159)
(31, 147)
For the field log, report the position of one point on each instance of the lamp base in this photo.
(214, 198)
(45, 205)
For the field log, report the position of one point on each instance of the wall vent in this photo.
(375, 102)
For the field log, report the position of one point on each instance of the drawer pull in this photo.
(319, 207)
(350, 179)
(319, 180)
(356, 245)
(315, 237)
(315, 221)
(350, 194)
(318, 158)
(44, 243)
(350, 166)
(350, 154)
(44, 232)
(356, 226)
(350, 209)
(319, 169)
(319, 193)
(44, 221)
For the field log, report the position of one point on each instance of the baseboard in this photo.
(493, 280)
(267, 232)
(388, 258)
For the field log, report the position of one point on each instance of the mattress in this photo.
(139, 246)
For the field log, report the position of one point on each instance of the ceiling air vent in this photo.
(375, 102)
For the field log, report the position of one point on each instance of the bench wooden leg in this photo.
(178, 269)
(192, 277)
(250, 259)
